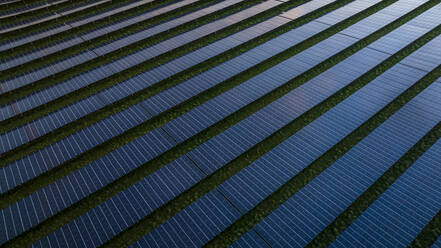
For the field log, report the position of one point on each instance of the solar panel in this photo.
(232, 135)
(195, 225)
(437, 243)
(411, 201)
(299, 219)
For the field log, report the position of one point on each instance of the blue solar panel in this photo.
(121, 90)
(381, 18)
(437, 244)
(34, 36)
(62, 27)
(101, 134)
(317, 204)
(117, 65)
(101, 172)
(190, 228)
(397, 216)
(60, 45)
(114, 45)
(194, 226)
(411, 201)
(20, 60)
(300, 149)
(44, 72)
(171, 97)
(64, 116)
(51, 93)
(28, 7)
(177, 41)
(279, 159)
(233, 136)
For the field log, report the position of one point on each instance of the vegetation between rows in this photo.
(350, 214)
(247, 221)
(151, 166)
(286, 191)
(304, 177)
(432, 231)
(126, 137)
(244, 159)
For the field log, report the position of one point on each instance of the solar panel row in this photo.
(410, 201)
(272, 124)
(15, 91)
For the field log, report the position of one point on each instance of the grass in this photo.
(432, 231)
(112, 144)
(115, 35)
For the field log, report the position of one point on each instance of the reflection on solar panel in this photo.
(243, 123)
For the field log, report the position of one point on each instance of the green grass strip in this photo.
(84, 28)
(153, 62)
(286, 191)
(27, 30)
(117, 34)
(72, 127)
(18, 5)
(350, 214)
(146, 169)
(432, 230)
(20, 17)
